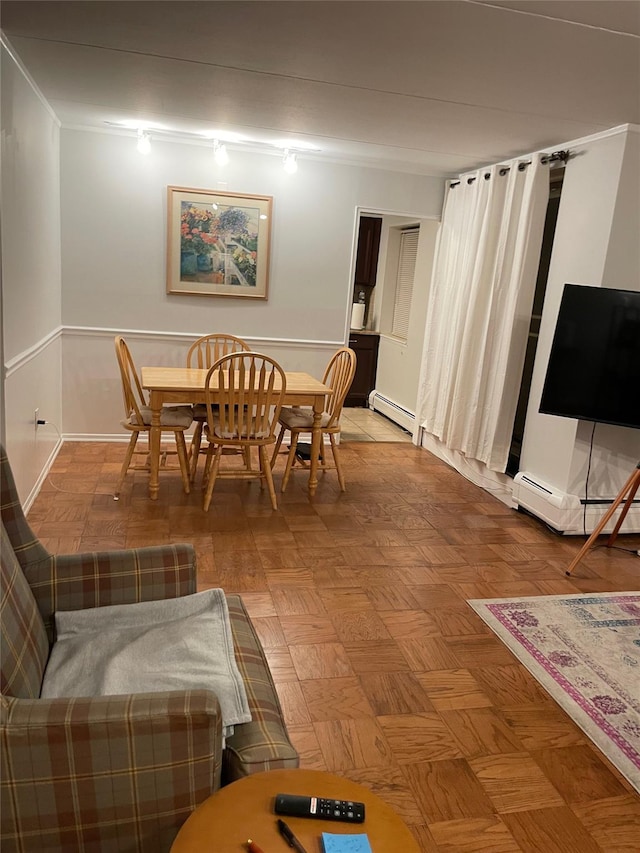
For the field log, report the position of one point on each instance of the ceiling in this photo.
(427, 86)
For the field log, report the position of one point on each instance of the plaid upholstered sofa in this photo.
(112, 773)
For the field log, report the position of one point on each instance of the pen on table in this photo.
(253, 847)
(289, 837)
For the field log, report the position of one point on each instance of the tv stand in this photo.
(627, 494)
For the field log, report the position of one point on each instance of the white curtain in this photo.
(479, 309)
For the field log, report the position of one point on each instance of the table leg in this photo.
(316, 438)
(154, 446)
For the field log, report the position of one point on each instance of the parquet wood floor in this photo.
(384, 672)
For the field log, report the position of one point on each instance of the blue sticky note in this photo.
(334, 843)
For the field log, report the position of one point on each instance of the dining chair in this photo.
(243, 395)
(338, 376)
(202, 354)
(137, 418)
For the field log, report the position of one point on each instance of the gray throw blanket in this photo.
(174, 644)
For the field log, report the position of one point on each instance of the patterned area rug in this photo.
(585, 651)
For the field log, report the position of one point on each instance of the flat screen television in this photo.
(594, 366)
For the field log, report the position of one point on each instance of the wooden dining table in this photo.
(185, 385)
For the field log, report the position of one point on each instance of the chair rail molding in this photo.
(14, 364)
(190, 337)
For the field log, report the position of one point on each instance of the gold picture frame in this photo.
(218, 243)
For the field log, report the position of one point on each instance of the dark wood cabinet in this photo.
(367, 254)
(365, 347)
(364, 280)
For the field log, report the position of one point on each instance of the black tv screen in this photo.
(594, 366)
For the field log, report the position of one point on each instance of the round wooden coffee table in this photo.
(244, 810)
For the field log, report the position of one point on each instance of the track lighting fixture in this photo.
(289, 148)
(144, 141)
(220, 153)
(290, 162)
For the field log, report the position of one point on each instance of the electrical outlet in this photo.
(36, 415)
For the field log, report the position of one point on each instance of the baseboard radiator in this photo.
(567, 513)
(394, 411)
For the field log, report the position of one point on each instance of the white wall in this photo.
(114, 236)
(399, 361)
(114, 253)
(596, 243)
(31, 282)
(622, 264)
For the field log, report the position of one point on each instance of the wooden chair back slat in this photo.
(243, 394)
(339, 376)
(134, 401)
(132, 392)
(202, 354)
(210, 348)
(247, 402)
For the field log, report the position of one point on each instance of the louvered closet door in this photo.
(404, 283)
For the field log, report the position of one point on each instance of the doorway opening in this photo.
(389, 364)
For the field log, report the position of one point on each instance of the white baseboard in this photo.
(565, 512)
(392, 410)
(33, 494)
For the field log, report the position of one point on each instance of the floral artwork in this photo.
(218, 243)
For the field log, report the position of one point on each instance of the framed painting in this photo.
(218, 243)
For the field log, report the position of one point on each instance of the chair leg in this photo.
(207, 464)
(336, 454)
(291, 458)
(181, 447)
(265, 470)
(212, 474)
(276, 449)
(246, 456)
(125, 465)
(194, 450)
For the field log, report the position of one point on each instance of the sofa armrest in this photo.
(262, 744)
(111, 772)
(77, 581)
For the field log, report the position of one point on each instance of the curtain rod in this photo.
(562, 155)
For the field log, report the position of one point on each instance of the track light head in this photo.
(220, 153)
(290, 162)
(144, 141)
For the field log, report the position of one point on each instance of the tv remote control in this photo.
(320, 807)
